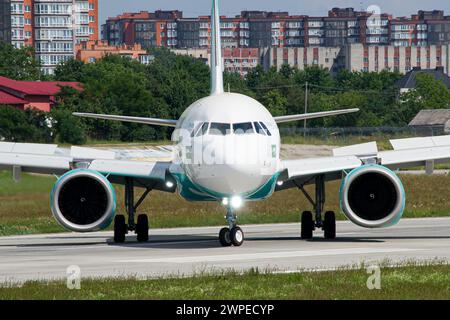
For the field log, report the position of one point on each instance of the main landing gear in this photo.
(328, 223)
(121, 228)
(232, 235)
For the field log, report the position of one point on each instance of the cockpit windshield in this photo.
(243, 128)
(219, 129)
(223, 129)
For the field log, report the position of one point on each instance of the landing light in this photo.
(280, 183)
(236, 202)
(225, 201)
(169, 184)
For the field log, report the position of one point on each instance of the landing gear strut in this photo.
(231, 235)
(121, 228)
(328, 224)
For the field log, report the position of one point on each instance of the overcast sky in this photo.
(193, 8)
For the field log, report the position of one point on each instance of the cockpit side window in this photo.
(259, 129)
(203, 130)
(196, 129)
(219, 129)
(265, 129)
(243, 128)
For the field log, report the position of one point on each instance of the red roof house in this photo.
(32, 94)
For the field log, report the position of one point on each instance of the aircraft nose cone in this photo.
(231, 179)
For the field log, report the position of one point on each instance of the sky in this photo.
(192, 8)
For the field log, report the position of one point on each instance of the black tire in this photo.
(307, 226)
(224, 237)
(329, 225)
(142, 228)
(120, 229)
(237, 236)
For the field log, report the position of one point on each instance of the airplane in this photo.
(226, 149)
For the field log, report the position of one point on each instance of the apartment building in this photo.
(235, 60)
(149, 29)
(353, 57)
(258, 29)
(401, 59)
(5, 21)
(91, 51)
(52, 27)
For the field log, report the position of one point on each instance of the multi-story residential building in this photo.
(5, 21)
(401, 59)
(352, 57)
(91, 51)
(158, 29)
(239, 60)
(53, 27)
(258, 29)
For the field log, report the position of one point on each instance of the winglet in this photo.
(216, 51)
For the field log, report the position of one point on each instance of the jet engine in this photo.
(372, 196)
(83, 201)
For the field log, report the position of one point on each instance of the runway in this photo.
(187, 251)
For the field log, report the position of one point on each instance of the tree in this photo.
(68, 128)
(275, 103)
(71, 70)
(428, 94)
(24, 126)
(18, 64)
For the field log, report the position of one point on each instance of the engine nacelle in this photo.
(83, 201)
(372, 196)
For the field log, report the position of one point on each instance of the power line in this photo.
(321, 87)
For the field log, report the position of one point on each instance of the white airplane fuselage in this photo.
(227, 145)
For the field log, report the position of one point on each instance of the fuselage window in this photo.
(203, 130)
(265, 129)
(243, 128)
(219, 129)
(259, 129)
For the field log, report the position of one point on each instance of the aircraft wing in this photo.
(412, 152)
(148, 166)
(142, 120)
(307, 116)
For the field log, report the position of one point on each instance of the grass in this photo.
(407, 281)
(24, 207)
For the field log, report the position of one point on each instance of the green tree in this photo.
(68, 129)
(71, 70)
(275, 103)
(18, 64)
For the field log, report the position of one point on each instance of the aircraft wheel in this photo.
(120, 229)
(329, 225)
(237, 236)
(307, 226)
(142, 228)
(224, 237)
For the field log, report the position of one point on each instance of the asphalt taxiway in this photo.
(187, 251)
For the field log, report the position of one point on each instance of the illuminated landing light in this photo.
(225, 201)
(280, 183)
(169, 184)
(236, 202)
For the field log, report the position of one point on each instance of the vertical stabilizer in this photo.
(216, 51)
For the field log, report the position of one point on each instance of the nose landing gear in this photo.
(232, 235)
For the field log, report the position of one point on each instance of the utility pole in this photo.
(306, 108)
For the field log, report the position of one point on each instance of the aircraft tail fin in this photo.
(216, 51)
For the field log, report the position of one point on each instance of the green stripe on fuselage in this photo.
(193, 192)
